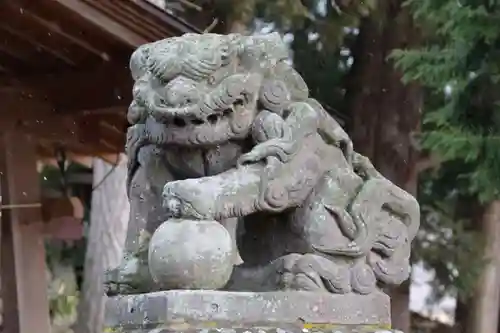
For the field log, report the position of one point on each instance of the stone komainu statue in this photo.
(223, 129)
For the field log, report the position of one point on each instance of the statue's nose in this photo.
(180, 92)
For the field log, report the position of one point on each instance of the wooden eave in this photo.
(64, 76)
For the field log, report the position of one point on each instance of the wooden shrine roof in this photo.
(64, 74)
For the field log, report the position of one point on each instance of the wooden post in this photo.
(24, 279)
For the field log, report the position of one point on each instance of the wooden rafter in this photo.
(103, 21)
(64, 76)
(101, 88)
(55, 27)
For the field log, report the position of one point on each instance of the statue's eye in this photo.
(211, 79)
(225, 54)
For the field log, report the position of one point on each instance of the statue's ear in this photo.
(138, 61)
(259, 52)
(294, 82)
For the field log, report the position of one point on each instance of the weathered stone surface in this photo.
(205, 309)
(223, 128)
(181, 252)
(320, 329)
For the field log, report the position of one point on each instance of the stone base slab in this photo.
(283, 312)
(337, 329)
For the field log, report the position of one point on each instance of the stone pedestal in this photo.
(223, 128)
(219, 311)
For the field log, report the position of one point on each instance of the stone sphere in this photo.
(187, 254)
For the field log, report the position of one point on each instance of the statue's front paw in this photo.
(251, 157)
(182, 200)
(282, 149)
(310, 272)
(173, 205)
(131, 277)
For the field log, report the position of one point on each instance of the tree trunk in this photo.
(385, 112)
(462, 317)
(106, 237)
(486, 300)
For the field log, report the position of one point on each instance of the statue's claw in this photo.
(251, 157)
(344, 220)
(257, 154)
(280, 148)
(131, 277)
(349, 151)
(180, 200)
(173, 206)
(351, 250)
(364, 166)
(361, 242)
(312, 272)
(114, 288)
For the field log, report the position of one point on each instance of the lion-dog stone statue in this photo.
(224, 135)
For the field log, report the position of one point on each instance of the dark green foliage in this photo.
(449, 242)
(462, 66)
(322, 35)
(460, 69)
(323, 68)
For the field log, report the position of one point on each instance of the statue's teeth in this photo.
(179, 122)
(197, 121)
(212, 119)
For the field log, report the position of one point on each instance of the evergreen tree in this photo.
(459, 66)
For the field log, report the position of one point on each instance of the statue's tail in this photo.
(331, 131)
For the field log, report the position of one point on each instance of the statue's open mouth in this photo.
(224, 113)
(220, 125)
(223, 116)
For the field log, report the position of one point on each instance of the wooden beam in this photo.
(60, 31)
(104, 22)
(105, 87)
(84, 129)
(33, 57)
(99, 132)
(19, 22)
(77, 149)
(18, 106)
(84, 160)
(100, 88)
(49, 159)
(54, 27)
(24, 286)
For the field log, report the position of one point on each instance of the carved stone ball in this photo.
(187, 254)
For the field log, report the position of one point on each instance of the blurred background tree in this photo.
(459, 67)
(65, 259)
